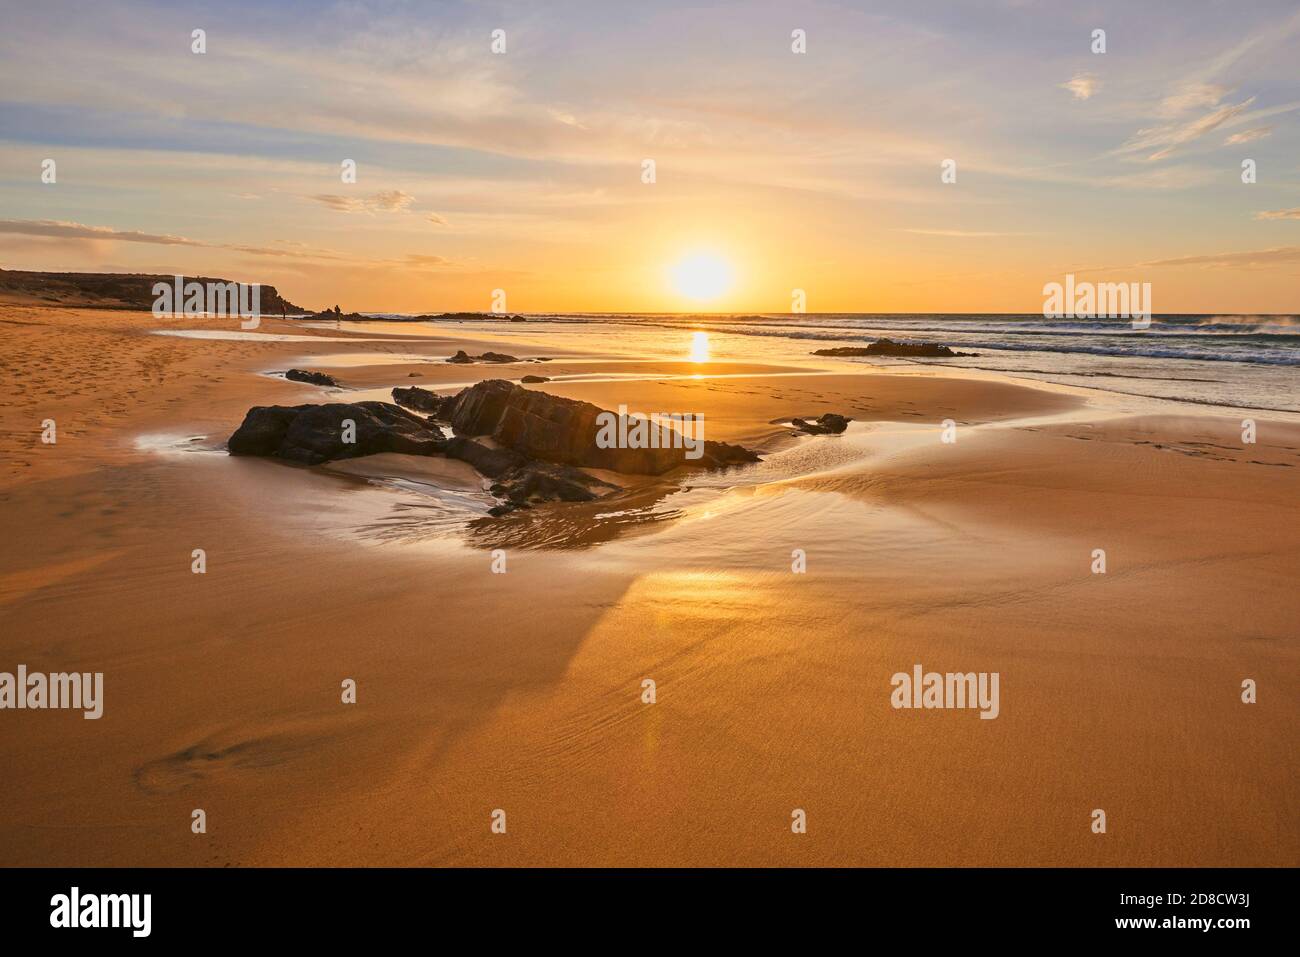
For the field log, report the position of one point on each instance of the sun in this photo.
(701, 276)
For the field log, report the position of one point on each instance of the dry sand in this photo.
(522, 691)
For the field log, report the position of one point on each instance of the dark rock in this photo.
(535, 378)
(827, 424)
(564, 431)
(422, 399)
(315, 378)
(540, 442)
(463, 357)
(843, 351)
(312, 434)
(463, 317)
(888, 347)
(337, 315)
(494, 463)
(121, 290)
(546, 482)
(263, 430)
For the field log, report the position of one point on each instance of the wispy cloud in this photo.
(1277, 256)
(1082, 85)
(283, 249)
(1293, 213)
(1194, 95)
(1164, 140)
(390, 201)
(957, 233)
(65, 230)
(1248, 136)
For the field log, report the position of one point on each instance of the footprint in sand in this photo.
(217, 756)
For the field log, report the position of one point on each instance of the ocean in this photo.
(1236, 361)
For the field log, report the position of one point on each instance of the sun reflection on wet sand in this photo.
(699, 347)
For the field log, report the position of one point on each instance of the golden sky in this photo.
(775, 170)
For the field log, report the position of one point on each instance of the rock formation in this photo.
(539, 443)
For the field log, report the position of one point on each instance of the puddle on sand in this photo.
(344, 360)
(176, 442)
(237, 335)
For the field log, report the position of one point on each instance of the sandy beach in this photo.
(522, 691)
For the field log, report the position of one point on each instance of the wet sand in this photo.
(522, 691)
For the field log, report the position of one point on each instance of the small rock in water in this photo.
(416, 398)
(315, 378)
(828, 424)
(463, 357)
(535, 378)
(888, 347)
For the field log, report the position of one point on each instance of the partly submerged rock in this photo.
(533, 482)
(462, 317)
(556, 429)
(828, 424)
(315, 378)
(535, 378)
(312, 434)
(337, 315)
(888, 347)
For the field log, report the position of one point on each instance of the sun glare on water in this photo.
(699, 347)
(701, 276)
